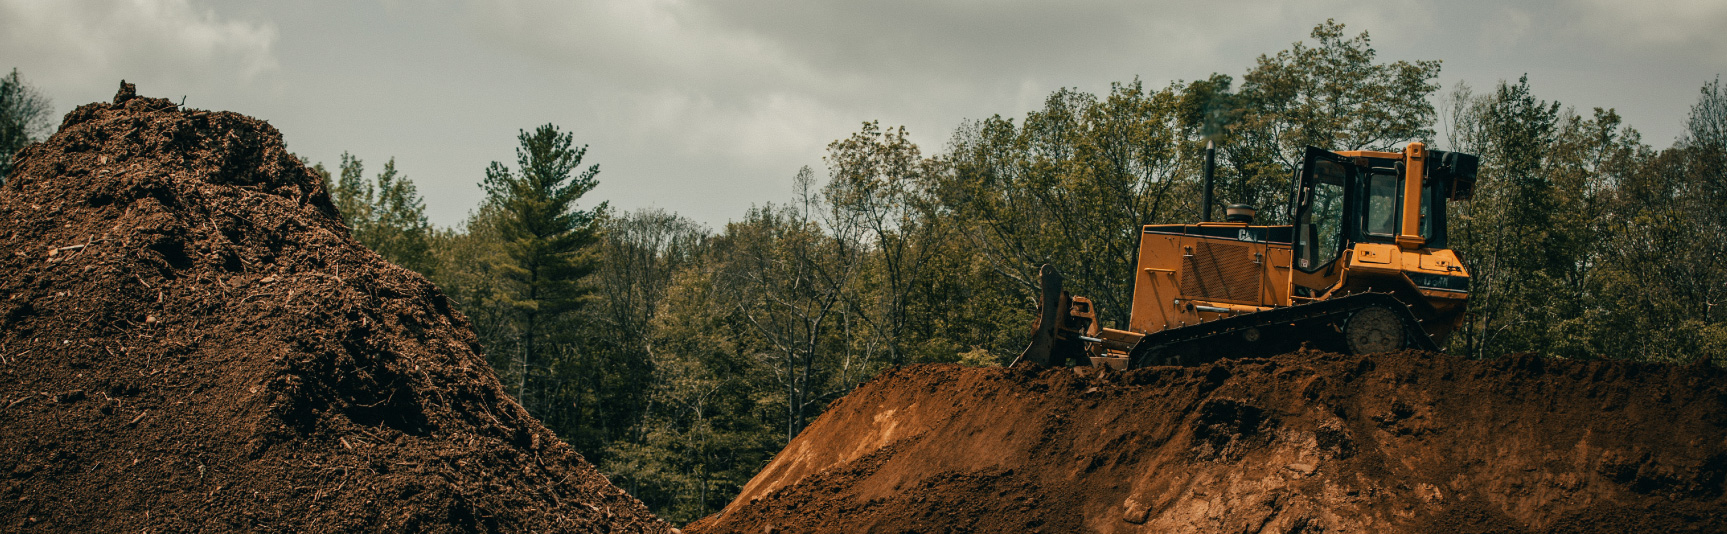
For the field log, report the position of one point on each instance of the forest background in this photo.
(680, 358)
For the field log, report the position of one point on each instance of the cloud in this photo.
(760, 79)
(837, 48)
(1690, 27)
(75, 44)
(891, 51)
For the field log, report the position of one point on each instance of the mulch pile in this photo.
(1304, 442)
(191, 341)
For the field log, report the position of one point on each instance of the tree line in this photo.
(679, 358)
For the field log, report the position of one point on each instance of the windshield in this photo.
(1382, 203)
(1321, 226)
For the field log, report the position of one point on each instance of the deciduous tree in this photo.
(1330, 95)
(385, 213)
(24, 118)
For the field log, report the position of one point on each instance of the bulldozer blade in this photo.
(1052, 309)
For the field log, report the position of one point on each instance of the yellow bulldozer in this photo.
(1362, 268)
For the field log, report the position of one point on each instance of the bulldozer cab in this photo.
(1333, 187)
(1393, 199)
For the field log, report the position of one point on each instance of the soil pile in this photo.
(191, 341)
(1305, 442)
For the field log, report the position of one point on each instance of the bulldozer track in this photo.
(1317, 325)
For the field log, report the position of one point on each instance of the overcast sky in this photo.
(705, 108)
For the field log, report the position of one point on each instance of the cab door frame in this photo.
(1311, 280)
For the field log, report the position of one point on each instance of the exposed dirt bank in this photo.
(1306, 442)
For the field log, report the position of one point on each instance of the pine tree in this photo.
(548, 243)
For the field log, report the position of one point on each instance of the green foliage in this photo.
(876, 185)
(385, 213)
(1508, 229)
(978, 358)
(1666, 257)
(604, 389)
(1331, 95)
(788, 280)
(463, 257)
(1071, 187)
(1582, 241)
(24, 118)
(708, 428)
(352, 192)
(399, 229)
(547, 249)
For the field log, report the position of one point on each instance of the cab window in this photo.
(1433, 196)
(1319, 231)
(1381, 203)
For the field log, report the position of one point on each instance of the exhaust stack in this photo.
(1210, 170)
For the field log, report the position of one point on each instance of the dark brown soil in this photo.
(1306, 442)
(191, 341)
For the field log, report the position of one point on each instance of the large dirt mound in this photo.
(191, 341)
(1306, 442)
